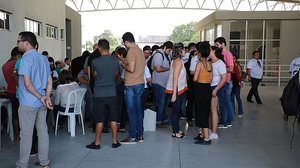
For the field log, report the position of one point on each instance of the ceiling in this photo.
(235, 5)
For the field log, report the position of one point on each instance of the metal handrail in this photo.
(273, 71)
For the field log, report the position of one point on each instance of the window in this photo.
(255, 29)
(219, 30)
(210, 35)
(62, 33)
(4, 20)
(51, 32)
(202, 35)
(237, 29)
(33, 26)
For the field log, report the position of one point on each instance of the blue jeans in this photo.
(161, 103)
(236, 92)
(176, 111)
(225, 104)
(133, 98)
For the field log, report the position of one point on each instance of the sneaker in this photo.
(140, 139)
(203, 142)
(222, 126)
(93, 146)
(128, 141)
(42, 166)
(213, 136)
(240, 116)
(229, 125)
(115, 145)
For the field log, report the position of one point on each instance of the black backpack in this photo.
(290, 98)
(149, 63)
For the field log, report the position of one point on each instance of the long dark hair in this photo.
(218, 53)
(203, 48)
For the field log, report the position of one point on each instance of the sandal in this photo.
(178, 135)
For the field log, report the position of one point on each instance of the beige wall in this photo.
(75, 19)
(47, 12)
(289, 43)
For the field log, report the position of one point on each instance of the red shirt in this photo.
(237, 73)
(8, 72)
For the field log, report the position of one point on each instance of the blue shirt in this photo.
(17, 66)
(37, 67)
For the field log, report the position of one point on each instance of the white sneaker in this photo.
(240, 116)
(213, 136)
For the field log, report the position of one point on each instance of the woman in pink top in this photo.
(175, 87)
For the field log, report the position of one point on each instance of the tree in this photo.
(108, 35)
(89, 46)
(185, 33)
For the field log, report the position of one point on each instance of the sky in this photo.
(139, 22)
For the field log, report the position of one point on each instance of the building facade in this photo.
(274, 34)
(57, 27)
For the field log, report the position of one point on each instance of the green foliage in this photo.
(108, 35)
(185, 33)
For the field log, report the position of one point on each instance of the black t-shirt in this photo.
(77, 65)
(94, 54)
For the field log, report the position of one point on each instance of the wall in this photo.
(75, 19)
(289, 43)
(47, 12)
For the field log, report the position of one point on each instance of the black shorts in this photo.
(105, 108)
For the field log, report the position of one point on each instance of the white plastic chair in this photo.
(74, 100)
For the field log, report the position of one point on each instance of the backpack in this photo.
(150, 64)
(291, 96)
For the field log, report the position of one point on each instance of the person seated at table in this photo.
(66, 85)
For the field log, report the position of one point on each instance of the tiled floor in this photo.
(259, 140)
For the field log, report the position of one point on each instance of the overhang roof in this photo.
(217, 5)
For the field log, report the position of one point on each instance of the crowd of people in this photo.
(199, 81)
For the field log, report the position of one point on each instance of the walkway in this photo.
(259, 140)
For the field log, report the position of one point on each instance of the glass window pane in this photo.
(272, 50)
(7, 22)
(237, 29)
(61, 33)
(273, 29)
(1, 20)
(39, 29)
(255, 29)
(219, 30)
(210, 35)
(254, 46)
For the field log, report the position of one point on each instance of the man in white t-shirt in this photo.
(194, 62)
(255, 74)
(295, 66)
(191, 47)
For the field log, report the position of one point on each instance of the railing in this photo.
(274, 73)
